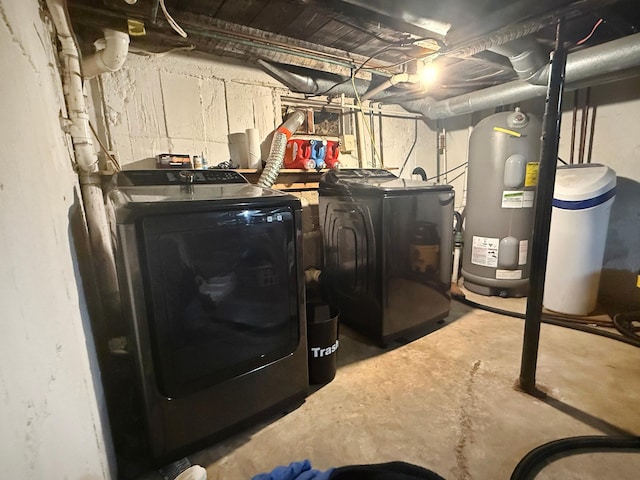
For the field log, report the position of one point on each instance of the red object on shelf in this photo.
(332, 153)
(297, 153)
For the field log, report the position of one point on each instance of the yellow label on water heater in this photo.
(531, 177)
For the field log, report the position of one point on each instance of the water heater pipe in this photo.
(457, 243)
(110, 58)
(583, 66)
(456, 264)
(278, 146)
(85, 156)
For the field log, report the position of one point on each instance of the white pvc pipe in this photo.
(73, 90)
(394, 80)
(456, 265)
(85, 156)
(109, 59)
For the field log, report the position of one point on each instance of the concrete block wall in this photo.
(191, 103)
(180, 104)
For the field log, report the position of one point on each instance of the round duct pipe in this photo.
(595, 63)
(525, 55)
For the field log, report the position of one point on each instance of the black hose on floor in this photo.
(626, 324)
(552, 320)
(540, 457)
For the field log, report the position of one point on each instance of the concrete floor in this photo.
(447, 402)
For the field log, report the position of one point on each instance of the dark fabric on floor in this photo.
(384, 471)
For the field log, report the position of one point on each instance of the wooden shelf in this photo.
(291, 179)
(282, 170)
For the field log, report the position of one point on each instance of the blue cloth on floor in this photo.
(295, 471)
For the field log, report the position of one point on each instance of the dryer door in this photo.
(222, 290)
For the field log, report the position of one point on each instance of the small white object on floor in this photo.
(194, 472)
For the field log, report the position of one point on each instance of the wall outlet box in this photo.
(347, 143)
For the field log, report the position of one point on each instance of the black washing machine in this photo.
(212, 333)
(387, 251)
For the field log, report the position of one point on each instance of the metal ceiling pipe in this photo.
(295, 82)
(314, 86)
(495, 39)
(526, 57)
(594, 63)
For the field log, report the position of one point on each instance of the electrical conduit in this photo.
(278, 146)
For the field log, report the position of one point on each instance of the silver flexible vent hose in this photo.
(278, 145)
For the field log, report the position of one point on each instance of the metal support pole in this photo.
(542, 212)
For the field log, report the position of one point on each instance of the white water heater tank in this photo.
(582, 200)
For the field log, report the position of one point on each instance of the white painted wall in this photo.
(50, 413)
(184, 104)
(404, 142)
(616, 140)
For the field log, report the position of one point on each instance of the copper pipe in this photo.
(573, 125)
(583, 127)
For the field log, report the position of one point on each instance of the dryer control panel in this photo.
(177, 177)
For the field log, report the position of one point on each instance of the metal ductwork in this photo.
(314, 86)
(526, 57)
(585, 67)
(321, 86)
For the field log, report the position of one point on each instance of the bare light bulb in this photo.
(429, 74)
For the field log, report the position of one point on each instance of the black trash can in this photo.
(322, 341)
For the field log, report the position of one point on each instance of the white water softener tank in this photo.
(582, 200)
(504, 151)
